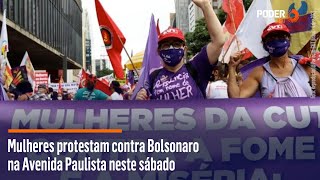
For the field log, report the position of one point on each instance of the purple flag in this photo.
(151, 59)
(246, 70)
(3, 94)
(131, 77)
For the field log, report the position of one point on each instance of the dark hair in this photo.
(91, 82)
(175, 39)
(16, 93)
(54, 95)
(273, 33)
(50, 90)
(24, 87)
(116, 86)
(221, 70)
(65, 97)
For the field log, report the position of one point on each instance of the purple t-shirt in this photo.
(180, 85)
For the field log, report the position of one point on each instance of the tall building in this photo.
(182, 20)
(101, 62)
(87, 41)
(173, 20)
(48, 30)
(195, 13)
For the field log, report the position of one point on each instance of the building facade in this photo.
(48, 30)
(187, 13)
(195, 14)
(102, 62)
(87, 41)
(173, 20)
(182, 20)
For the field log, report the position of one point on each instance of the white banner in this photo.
(70, 87)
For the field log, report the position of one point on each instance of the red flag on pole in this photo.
(82, 79)
(235, 14)
(60, 85)
(247, 54)
(100, 85)
(158, 28)
(113, 39)
(104, 87)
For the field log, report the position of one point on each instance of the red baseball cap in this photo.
(171, 33)
(273, 27)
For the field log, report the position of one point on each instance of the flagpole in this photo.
(134, 68)
(236, 30)
(234, 24)
(224, 55)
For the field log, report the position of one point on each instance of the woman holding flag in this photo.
(280, 76)
(177, 80)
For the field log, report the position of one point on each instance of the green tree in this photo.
(198, 38)
(222, 16)
(104, 72)
(247, 4)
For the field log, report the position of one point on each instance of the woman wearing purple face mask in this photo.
(281, 76)
(177, 80)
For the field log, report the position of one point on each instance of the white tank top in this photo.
(299, 80)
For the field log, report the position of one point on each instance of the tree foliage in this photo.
(222, 16)
(198, 38)
(247, 4)
(104, 72)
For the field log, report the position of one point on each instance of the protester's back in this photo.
(23, 91)
(89, 92)
(117, 91)
(217, 87)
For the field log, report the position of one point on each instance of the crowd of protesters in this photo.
(24, 92)
(280, 75)
(201, 77)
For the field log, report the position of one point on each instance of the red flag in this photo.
(83, 77)
(100, 85)
(317, 58)
(60, 85)
(247, 54)
(235, 14)
(158, 28)
(103, 80)
(113, 39)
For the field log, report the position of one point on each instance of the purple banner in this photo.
(219, 139)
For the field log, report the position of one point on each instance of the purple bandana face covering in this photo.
(171, 56)
(277, 47)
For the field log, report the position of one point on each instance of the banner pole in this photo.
(234, 25)
(134, 68)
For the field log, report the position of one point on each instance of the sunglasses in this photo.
(276, 36)
(175, 45)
